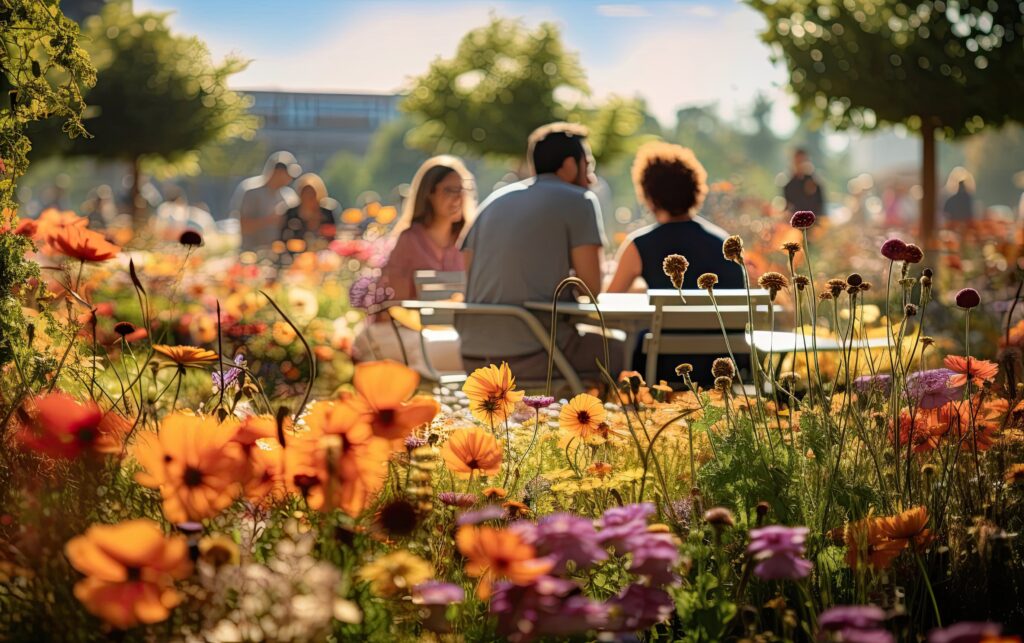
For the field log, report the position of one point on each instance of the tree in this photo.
(503, 82)
(159, 98)
(43, 71)
(938, 67)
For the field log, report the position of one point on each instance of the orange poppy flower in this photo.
(955, 422)
(384, 390)
(866, 542)
(921, 429)
(599, 469)
(83, 244)
(62, 427)
(345, 468)
(583, 416)
(52, 221)
(491, 395)
(130, 570)
(910, 525)
(492, 554)
(186, 356)
(493, 493)
(978, 370)
(195, 465)
(515, 509)
(472, 449)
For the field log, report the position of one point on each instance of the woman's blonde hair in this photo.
(310, 179)
(417, 206)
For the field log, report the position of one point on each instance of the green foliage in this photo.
(388, 163)
(862, 63)
(503, 82)
(43, 71)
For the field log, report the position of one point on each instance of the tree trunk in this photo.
(137, 204)
(928, 183)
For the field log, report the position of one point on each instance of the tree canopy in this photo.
(951, 67)
(504, 81)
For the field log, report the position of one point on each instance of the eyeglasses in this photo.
(456, 191)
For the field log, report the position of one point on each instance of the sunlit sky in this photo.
(672, 53)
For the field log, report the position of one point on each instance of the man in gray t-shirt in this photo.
(527, 237)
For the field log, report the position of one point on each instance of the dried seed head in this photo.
(910, 310)
(802, 220)
(684, 369)
(927, 272)
(675, 267)
(912, 254)
(723, 384)
(893, 249)
(968, 298)
(866, 286)
(732, 249)
(792, 247)
(801, 282)
(836, 286)
(854, 279)
(927, 340)
(773, 282)
(825, 296)
(723, 367)
(707, 281)
(719, 517)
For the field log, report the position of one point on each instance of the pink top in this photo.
(413, 251)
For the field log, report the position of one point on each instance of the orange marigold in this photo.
(583, 416)
(194, 463)
(470, 450)
(386, 400)
(492, 554)
(186, 356)
(130, 570)
(978, 370)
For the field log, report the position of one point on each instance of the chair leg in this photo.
(434, 374)
(398, 336)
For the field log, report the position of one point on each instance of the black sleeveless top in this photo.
(698, 240)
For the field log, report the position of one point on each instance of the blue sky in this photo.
(673, 53)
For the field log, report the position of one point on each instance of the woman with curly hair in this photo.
(672, 184)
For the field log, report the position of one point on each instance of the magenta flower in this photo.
(436, 596)
(548, 606)
(893, 249)
(620, 524)
(967, 632)
(490, 512)
(968, 298)
(639, 608)
(538, 401)
(860, 623)
(563, 537)
(453, 499)
(930, 389)
(780, 552)
(802, 219)
(655, 556)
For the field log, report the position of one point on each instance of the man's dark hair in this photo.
(281, 166)
(669, 177)
(550, 145)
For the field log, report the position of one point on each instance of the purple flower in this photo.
(912, 254)
(655, 556)
(548, 606)
(489, 512)
(434, 592)
(413, 442)
(563, 537)
(682, 512)
(230, 375)
(865, 384)
(780, 551)
(930, 389)
(858, 617)
(538, 401)
(619, 524)
(639, 608)
(453, 499)
(893, 249)
(367, 294)
(968, 298)
(436, 596)
(967, 632)
(802, 219)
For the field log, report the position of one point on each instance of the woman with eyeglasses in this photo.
(439, 208)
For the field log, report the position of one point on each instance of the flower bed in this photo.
(156, 490)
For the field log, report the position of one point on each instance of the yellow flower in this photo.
(218, 550)
(490, 392)
(185, 356)
(583, 416)
(396, 573)
(283, 333)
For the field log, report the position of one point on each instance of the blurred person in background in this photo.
(263, 200)
(803, 192)
(439, 208)
(959, 206)
(175, 215)
(309, 225)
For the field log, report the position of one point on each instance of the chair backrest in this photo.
(436, 285)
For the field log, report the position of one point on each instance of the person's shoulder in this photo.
(504, 192)
(641, 233)
(710, 228)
